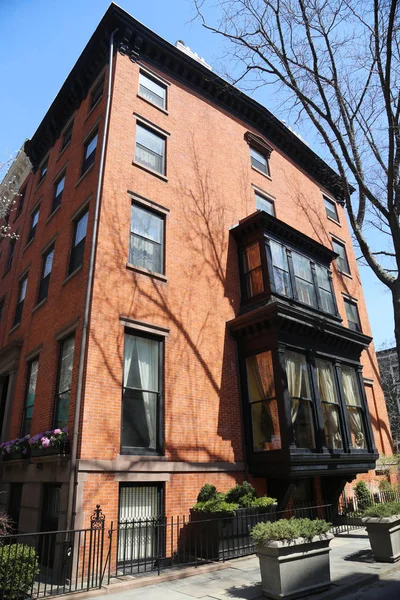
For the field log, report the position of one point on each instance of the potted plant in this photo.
(383, 527)
(221, 523)
(294, 556)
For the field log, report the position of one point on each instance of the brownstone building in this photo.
(183, 296)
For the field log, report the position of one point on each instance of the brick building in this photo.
(183, 296)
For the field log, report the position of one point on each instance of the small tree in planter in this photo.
(294, 556)
(363, 495)
(383, 527)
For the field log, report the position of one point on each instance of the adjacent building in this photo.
(390, 380)
(183, 297)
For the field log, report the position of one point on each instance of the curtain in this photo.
(259, 368)
(294, 372)
(327, 392)
(353, 402)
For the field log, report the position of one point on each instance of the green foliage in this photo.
(388, 509)
(363, 495)
(385, 486)
(264, 504)
(18, 567)
(239, 491)
(216, 506)
(207, 492)
(287, 530)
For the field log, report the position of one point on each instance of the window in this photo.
(67, 137)
(11, 250)
(89, 153)
(354, 407)
(341, 261)
(29, 397)
(58, 192)
(147, 239)
(253, 270)
(46, 272)
(21, 298)
(330, 209)
(34, 222)
(262, 203)
(151, 89)
(329, 403)
(14, 505)
(141, 398)
(150, 149)
(353, 319)
(259, 161)
(263, 402)
(78, 243)
(96, 94)
(300, 400)
(309, 282)
(43, 170)
(64, 381)
(1, 308)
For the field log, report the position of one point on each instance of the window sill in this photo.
(63, 150)
(14, 328)
(28, 244)
(35, 308)
(71, 275)
(333, 220)
(94, 107)
(146, 272)
(152, 104)
(345, 274)
(139, 452)
(151, 171)
(261, 173)
(84, 174)
(53, 213)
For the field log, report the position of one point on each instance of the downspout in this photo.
(73, 476)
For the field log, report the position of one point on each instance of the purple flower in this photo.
(45, 442)
(65, 429)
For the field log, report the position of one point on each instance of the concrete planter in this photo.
(296, 569)
(384, 537)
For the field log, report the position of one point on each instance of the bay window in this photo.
(141, 398)
(263, 402)
(301, 402)
(329, 403)
(354, 407)
(304, 280)
(280, 273)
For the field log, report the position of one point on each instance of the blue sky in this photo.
(40, 40)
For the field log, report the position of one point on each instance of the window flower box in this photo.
(60, 450)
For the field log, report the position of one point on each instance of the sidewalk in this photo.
(352, 567)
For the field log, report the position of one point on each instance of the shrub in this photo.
(239, 491)
(264, 504)
(207, 492)
(388, 509)
(363, 495)
(216, 506)
(385, 486)
(18, 567)
(287, 530)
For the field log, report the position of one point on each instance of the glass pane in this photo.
(48, 263)
(35, 218)
(302, 420)
(152, 91)
(81, 227)
(33, 371)
(306, 292)
(141, 363)
(66, 364)
(252, 257)
(326, 381)
(297, 375)
(357, 432)
(149, 159)
(302, 267)
(352, 315)
(91, 147)
(60, 186)
(333, 436)
(327, 304)
(330, 208)
(146, 224)
(22, 289)
(258, 160)
(62, 410)
(350, 386)
(145, 254)
(265, 205)
(139, 419)
(265, 424)
(150, 140)
(282, 282)
(279, 256)
(322, 278)
(260, 376)
(342, 263)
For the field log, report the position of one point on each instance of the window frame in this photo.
(158, 82)
(23, 430)
(20, 303)
(332, 203)
(160, 215)
(44, 167)
(340, 258)
(351, 302)
(75, 222)
(57, 198)
(95, 96)
(58, 393)
(264, 198)
(254, 160)
(22, 196)
(88, 161)
(67, 136)
(45, 281)
(159, 134)
(160, 434)
(10, 255)
(33, 227)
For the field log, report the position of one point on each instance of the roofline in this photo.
(139, 41)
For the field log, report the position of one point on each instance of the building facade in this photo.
(183, 297)
(390, 381)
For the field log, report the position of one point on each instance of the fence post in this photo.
(97, 521)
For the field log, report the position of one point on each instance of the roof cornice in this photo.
(139, 42)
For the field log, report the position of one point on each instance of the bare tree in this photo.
(8, 196)
(337, 64)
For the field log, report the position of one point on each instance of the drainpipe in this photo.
(73, 477)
